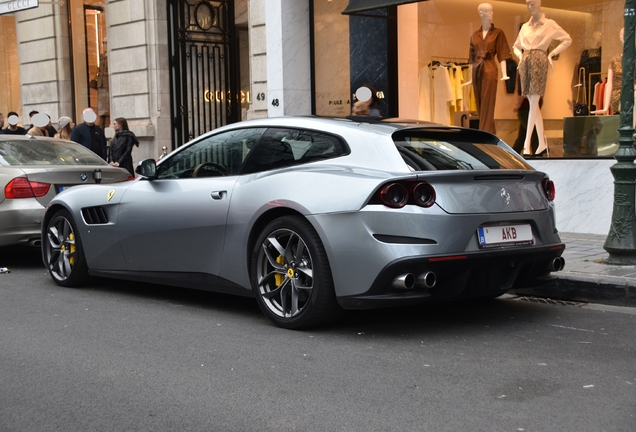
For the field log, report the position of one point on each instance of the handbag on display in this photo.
(580, 107)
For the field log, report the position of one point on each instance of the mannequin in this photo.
(612, 97)
(530, 47)
(485, 44)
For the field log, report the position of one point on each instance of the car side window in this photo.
(217, 155)
(280, 148)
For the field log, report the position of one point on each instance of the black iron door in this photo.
(204, 67)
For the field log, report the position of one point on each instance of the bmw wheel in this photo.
(63, 252)
(291, 275)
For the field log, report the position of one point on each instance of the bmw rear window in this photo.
(455, 149)
(45, 152)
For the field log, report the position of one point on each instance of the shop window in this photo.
(89, 53)
(437, 33)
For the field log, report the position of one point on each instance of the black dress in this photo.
(591, 62)
(121, 149)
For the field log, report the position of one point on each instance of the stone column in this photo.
(42, 37)
(139, 75)
(288, 61)
(258, 59)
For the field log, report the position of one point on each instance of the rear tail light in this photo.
(423, 194)
(400, 193)
(549, 189)
(394, 195)
(21, 187)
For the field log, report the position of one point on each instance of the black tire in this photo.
(291, 276)
(63, 252)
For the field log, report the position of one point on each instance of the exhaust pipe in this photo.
(405, 281)
(426, 280)
(557, 264)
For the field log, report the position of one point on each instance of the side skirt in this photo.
(199, 281)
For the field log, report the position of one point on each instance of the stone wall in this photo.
(42, 36)
(138, 72)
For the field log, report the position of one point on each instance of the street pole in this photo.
(621, 240)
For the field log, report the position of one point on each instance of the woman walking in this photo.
(121, 146)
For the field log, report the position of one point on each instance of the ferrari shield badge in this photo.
(111, 193)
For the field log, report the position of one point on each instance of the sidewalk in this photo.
(585, 278)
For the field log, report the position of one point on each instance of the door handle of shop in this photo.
(218, 195)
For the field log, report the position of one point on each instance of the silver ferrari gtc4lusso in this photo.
(312, 216)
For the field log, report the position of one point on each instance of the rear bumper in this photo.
(20, 222)
(461, 276)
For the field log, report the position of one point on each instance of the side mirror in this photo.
(147, 168)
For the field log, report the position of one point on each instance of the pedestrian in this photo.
(121, 146)
(1, 122)
(40, 125)
(31, 114)
(13, 129)
(89, 134)
(368, 103)
(66, 126)
(50, 129)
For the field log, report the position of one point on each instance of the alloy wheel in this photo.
(285, 273)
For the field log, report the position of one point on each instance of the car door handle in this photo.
(218, 195)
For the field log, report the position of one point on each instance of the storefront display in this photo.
(433, 38)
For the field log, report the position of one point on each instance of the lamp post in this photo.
(621, 240)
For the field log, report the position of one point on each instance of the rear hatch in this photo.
(463, 192)
(472, 171)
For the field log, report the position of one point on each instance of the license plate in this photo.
(509, 235)
(62, 188)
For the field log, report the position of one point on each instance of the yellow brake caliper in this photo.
(71, 259)
(279, 278)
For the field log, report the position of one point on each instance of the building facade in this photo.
(178, 68)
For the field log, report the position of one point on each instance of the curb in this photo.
(588, 289)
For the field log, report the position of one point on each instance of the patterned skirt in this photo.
(533, 72)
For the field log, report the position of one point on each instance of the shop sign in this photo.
(17, 5)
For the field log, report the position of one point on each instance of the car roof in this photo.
(380, 125)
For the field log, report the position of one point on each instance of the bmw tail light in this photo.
(549, 189)
(397, 194)
(20, 187)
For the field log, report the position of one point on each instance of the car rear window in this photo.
(455, 149)
(41, 152)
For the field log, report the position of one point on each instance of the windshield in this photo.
(455, 150)
(41, 152)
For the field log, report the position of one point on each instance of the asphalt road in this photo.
(131, 357)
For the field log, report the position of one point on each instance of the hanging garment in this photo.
(436, 94)
(591, 62)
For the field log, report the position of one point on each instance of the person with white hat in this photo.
(13, 119)
(66, 126)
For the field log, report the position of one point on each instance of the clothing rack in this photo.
(435, 62)
(438, 60)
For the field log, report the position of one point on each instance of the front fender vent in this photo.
(95, 215)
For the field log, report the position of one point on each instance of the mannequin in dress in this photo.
(485, 44)
(530, 47)
(612, 97)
